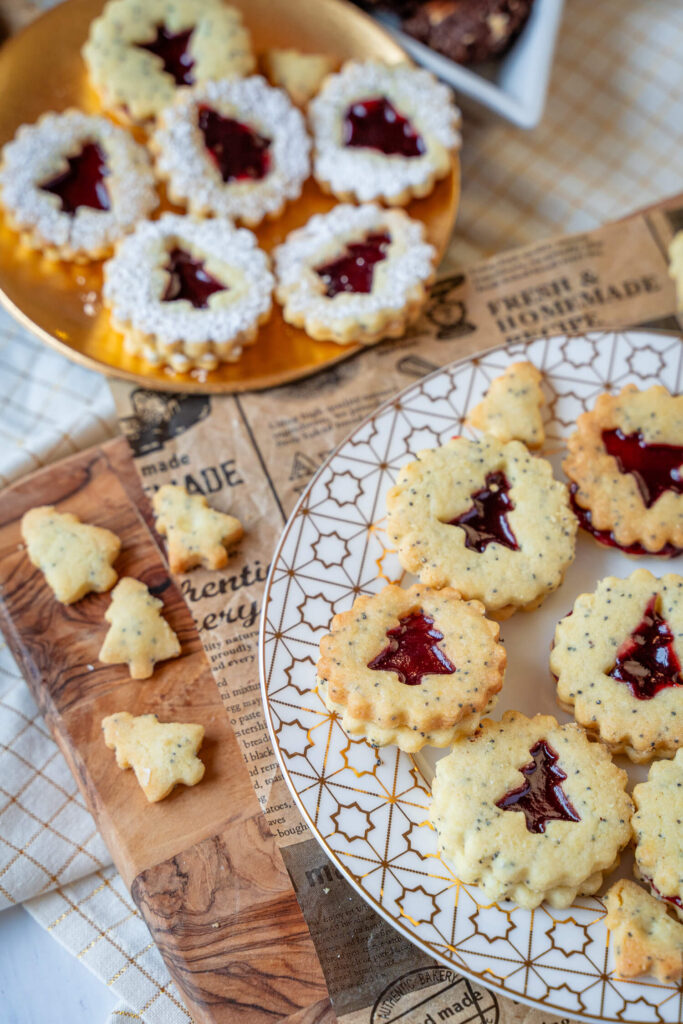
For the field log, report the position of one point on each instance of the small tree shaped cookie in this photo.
(646, 939)
(511, 409)
(74, 557)
(196, 534)
(161, 754)
(138, 636)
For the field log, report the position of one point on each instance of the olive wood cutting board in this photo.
(201, 865)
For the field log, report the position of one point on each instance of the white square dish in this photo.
(513, 87)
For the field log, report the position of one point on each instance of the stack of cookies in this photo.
(190, 289)
(526, 808)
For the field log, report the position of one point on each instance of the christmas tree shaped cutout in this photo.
(74, 557)
(138, 636)
(161, 754)
(541, 798)
(413, 651)
(196, 534)
(647, 661)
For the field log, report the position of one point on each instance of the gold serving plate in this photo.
(41, 69)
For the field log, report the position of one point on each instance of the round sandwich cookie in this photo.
(74, 184)
(625, 466)
(616, 658)
(234, 148)
(658, 831)
(357, 273)
(383, 132)
(412, 667)
(139, 55)
(486, 518)
(188, 292)
(530, 810)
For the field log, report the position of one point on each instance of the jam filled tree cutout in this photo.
(413, 651)
(189, 279)
(486, 521)
(354, 270)
(656, 467)
(83, 184)
(377, 124)
(646, 660)
(541, 798)
(240, 153)
(172, 49)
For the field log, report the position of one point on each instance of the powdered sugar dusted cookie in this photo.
(235, 149)
(357, 273)
(486, 518)
(196, 534)
(383, 132)
(658, 831)
(617, 662)
(530, 810)
(511, 409)
(299, 74)
(188, 292)
(139, 55)
(624, 463)
(138, 635)
(73, 185)
(646, 939)
(161, 754)
(411, 667)
(74, 557)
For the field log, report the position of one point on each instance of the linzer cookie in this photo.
(530, 810)
(235, 149)
(645, 939)
(625, 466)
(357, 273)
(511, 409)
(188, 292)
(617, 662)
(658, 831)
(383, 132)
(411, 667)
(73, 185)
(486, 518)
(138, 55)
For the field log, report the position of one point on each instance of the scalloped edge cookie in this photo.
(376, 704)
(658, 832)
(439, 486)
(492, 847)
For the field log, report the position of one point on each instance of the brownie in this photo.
(468, 31)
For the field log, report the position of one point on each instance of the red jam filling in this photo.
(83, 183)
(353, 272)
(413, 651)
(607, 538)
(647, 661)
(675, 900)
(541, 797)
(376, 124)
(656, 467)
(239, 152)
(189, 280)
(486, 522)
(173, 51)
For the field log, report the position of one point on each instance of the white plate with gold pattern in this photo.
(368, 809)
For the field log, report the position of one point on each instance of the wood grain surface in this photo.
(201, 865)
